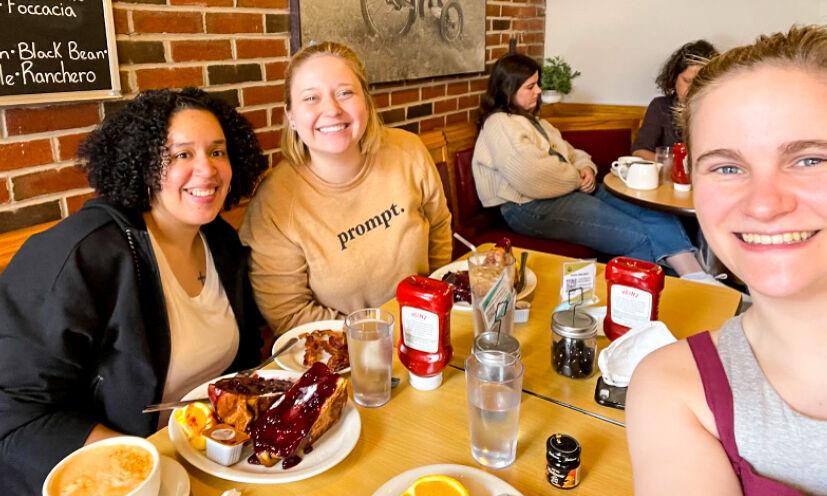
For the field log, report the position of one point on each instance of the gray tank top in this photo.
(777, 441)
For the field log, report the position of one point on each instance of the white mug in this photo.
(624, 160)
(640, 174)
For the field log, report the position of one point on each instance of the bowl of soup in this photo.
(118, 466)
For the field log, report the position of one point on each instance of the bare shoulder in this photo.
(671, 367)
(671, 431)
(664, 385)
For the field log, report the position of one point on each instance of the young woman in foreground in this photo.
(354, 207)
(756, 121)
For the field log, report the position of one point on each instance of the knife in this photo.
(157, 407)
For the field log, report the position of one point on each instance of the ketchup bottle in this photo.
(634, 288)
(424, 346)
(680, 169)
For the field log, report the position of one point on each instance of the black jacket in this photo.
(84, 336)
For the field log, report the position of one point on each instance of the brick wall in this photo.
(237, 49)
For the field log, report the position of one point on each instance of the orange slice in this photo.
(195, 418)
(436, 485)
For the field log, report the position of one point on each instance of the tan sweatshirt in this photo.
(320, 251)
(511, 162)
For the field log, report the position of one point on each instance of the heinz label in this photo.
(631, 307)
(420, 329)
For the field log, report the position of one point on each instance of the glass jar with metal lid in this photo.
(496, 341)
(573, 343)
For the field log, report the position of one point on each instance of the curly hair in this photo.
(692, 53)
(126, 156)
(507, 75)
(292, 147)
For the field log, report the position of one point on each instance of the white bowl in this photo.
(149, 487)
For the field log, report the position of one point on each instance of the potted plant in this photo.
(556, 79)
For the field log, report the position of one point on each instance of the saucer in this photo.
(174, 479)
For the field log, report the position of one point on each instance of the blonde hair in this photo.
(292, 147)
(803, 47)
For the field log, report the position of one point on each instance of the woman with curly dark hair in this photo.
(137, 298)
(676, 75)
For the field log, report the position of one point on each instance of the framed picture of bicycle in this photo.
(398, 39)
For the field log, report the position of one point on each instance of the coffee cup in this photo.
(132, 463)
(623, 161)
(641, 174)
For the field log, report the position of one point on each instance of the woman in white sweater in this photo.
(546, 188)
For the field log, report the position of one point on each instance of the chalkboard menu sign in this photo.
(57, 50)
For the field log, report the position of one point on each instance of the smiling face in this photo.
(760, 175)
(684, 81)
(197, 179)
(328, 107)
(526, 97)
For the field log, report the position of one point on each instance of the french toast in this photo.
(309, 409)
(239, 400)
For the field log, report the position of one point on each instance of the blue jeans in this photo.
(602, 222)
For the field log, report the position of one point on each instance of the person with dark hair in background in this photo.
(676, 75)
(138, 297)
(543, 185)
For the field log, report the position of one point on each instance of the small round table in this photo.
(664, 198)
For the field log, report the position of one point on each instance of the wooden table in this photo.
(664, 198)
(685, 307)
(419, 428)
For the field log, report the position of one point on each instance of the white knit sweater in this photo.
(511, 162)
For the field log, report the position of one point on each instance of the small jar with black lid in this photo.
(563, 461)
(573, 343)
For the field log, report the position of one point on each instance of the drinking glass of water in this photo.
(370, 349)
(663, 156)
(494, 383)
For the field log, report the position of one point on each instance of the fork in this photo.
(248, 372)
(286, 346)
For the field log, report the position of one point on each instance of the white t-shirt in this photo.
(203, 329)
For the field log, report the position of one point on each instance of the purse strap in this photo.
(551, 151)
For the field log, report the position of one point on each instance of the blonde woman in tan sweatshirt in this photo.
(352, 209)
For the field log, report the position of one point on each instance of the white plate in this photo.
(293, 358)
(478, 482)
(174, 479)
(328, 450)
(530, 281)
